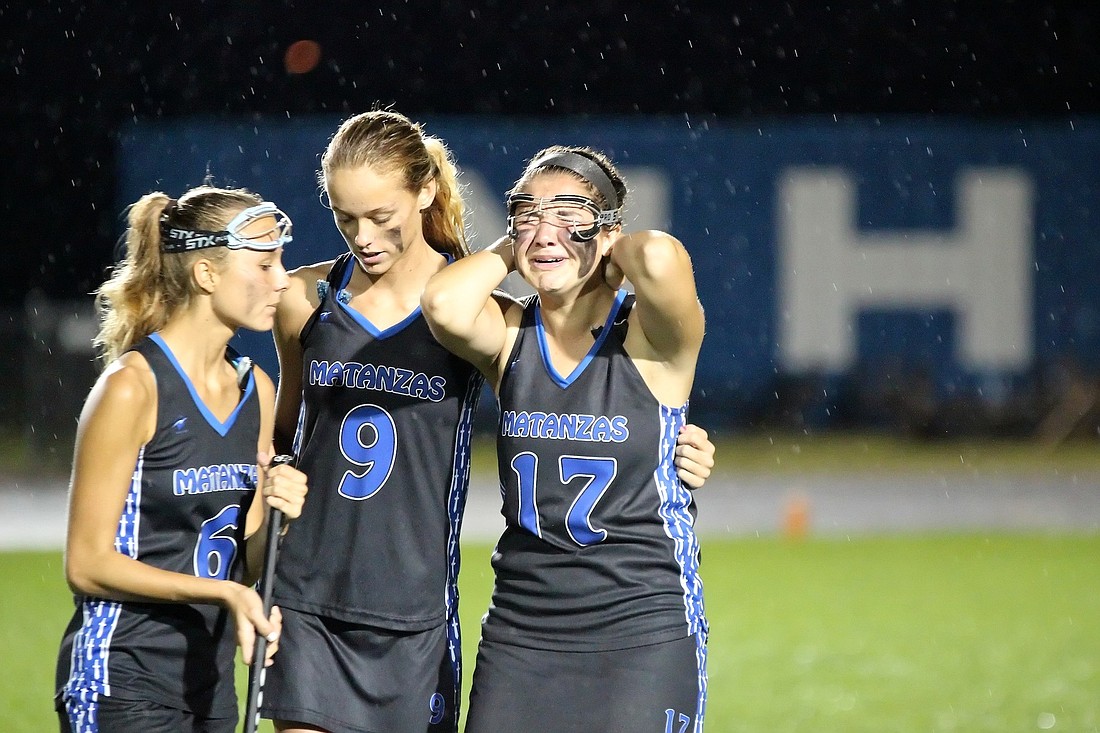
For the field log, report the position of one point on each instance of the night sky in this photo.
(73, 72)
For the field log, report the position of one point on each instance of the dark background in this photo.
(73, 73)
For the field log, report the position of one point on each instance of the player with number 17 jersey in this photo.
(592, 504)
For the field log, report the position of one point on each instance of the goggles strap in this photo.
(587, 169)
(184, 239)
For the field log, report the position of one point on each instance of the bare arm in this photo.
(283, 487)
(459, 306)
(295, 308)
(672, 320)
(668, 309)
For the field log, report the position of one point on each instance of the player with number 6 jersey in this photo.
(172, 479)
(184, 513)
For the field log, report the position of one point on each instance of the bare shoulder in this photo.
(124, 397)
(303, 280)
(265, 385)
(301, 298)
(313, 271)
(129, 379)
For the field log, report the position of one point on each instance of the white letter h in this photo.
(829, 271)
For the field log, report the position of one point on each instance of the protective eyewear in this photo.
(236, 235)
(579, 214)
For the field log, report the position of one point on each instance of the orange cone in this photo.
(796, 517)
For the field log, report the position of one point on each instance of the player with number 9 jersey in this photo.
(399, 408)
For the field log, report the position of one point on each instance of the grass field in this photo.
(976, 633)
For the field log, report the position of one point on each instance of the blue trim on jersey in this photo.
(544, 349)
(89, 671)
(678, 522)
(83, 714)
(129, 523)
(679, 525)
(456, 504)
(701, 666)
(378, 333)
(89, 675)
(373, 330)
(299, 427)
(221, 427)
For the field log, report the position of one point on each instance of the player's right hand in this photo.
(247, 609)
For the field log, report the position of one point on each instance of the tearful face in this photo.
(585, 253)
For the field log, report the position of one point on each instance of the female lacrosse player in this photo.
(597, 616)
(172, 446)
(381, 418)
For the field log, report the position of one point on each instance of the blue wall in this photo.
(721, 183)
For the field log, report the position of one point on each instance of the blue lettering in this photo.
(438, 389)
(570, 426)
(404, 379)
(619, 431)
(318, 373)
(378, 377)
(219, 477)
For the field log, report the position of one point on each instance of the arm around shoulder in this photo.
(462, 309)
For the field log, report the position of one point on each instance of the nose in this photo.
(365, 232)
(545, 232)
(282, 278)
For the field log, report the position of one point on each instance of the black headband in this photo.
(584, 167)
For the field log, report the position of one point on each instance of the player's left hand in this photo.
(694, 456)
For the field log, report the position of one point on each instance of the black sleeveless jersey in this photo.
(599, 550)
(384, 436)
(191, 489)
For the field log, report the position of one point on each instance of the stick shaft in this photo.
(256, 670)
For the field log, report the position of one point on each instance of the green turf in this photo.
(976, 633)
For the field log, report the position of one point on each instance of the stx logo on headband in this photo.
(184, 239)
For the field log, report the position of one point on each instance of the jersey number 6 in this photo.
(217, 545)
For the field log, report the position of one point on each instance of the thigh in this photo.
(659, 688)
(349, 678)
